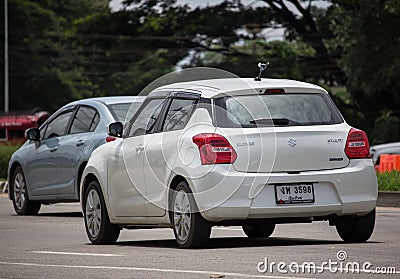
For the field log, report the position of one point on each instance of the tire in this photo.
(99, 229)
(185, 215)
(260, 230)
(356, 229)
(19, 195)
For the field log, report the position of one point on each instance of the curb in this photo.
(388, 199)
(3, 187)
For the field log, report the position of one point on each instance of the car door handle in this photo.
(139, 149)
(80, 143)
(53, 149)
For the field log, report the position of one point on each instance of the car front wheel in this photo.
(19, 192)
(190, 228)
(261, 230)
(356, 229)
(97, 223)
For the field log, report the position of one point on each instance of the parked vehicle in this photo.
(48, 167)
(14, 125)
(387, 148)
(231, 152)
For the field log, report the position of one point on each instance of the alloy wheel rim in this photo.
(182, 215)
(19, 190)
(93, 213)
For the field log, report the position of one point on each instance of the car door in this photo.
(77, 144)
(127, 189)
(161, 151)
(41, 167)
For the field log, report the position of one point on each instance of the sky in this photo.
(115, 4)
(269, 34)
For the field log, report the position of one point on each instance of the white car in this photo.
(387, 148)
(231, 152)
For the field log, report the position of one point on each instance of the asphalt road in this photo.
(54, 245)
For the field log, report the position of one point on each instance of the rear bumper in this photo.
(236, 195)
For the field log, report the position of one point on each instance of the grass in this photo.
(389, 181)
(6, 150)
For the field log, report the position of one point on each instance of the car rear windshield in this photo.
(121, 110)
(288, 109)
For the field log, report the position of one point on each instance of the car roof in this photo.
(213, 88)
(110, 100)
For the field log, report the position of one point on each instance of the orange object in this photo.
(388, 163)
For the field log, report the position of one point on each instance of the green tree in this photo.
(71, 49)
(285, 59)
(368, 32)
(133, 46)
(42, 64)
(307, 22)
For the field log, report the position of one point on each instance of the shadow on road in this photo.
(52, 214)
(235, 242)
(61, 214)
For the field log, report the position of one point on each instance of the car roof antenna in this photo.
(262, 67)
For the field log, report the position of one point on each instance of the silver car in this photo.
(48, 166)
(387, 148)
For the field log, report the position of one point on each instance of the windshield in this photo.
(289, 109)
(121, 110)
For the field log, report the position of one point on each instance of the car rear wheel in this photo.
(261, 230)
(97, 223)
(356, 229)
(190, 228)
(19, 193)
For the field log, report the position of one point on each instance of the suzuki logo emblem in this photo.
(292, 142)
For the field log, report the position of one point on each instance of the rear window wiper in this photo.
(273, 121)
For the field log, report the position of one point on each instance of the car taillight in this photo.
(214, 149)
(357, 145)
(109, 139)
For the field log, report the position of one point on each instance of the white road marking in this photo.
(206, 272)
(77, 254)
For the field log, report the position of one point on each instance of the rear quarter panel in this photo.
(97, 166)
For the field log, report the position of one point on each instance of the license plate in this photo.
(294, 193)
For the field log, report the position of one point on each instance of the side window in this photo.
(178, 114)
(85, 120)
(95, 122)
(147, 118)
(57, 127)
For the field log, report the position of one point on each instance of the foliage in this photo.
(42, 71)
(285, 59)
(136, 45)
(73, 49)
(6, 150)
(367, 31)
(389, 181)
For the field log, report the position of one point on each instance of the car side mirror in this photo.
(33, 134)
(115, 129)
